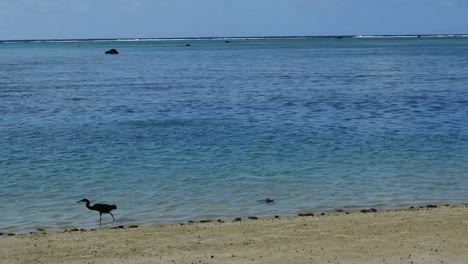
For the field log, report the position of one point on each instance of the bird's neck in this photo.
(87, 205)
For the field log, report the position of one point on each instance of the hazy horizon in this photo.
(242, 37)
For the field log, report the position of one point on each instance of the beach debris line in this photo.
(372, 210)
(101, 208)
(305, 213)
(112, 52)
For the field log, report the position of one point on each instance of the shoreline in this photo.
(316, 212)
(420, 235)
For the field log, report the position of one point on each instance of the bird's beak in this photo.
(79, 202)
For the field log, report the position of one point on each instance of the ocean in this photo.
(171, 132)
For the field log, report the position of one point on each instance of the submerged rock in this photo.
(266, 200)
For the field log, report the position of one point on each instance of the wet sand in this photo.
(434, 235)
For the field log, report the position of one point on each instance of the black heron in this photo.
(101, 208)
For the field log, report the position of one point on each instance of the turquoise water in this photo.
(174, 133)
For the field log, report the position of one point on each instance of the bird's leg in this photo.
(100, 216)
(113, 219)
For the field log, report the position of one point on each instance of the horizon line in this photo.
(239, 37)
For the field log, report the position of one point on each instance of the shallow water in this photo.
(172, 133)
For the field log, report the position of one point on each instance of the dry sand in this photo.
(437, 235)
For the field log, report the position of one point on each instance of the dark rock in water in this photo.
(237, 219)
(74, 230)
(191, 222)
(10, 234)
(121, 227)
(206, 221)
(220, 221)
(346, 212)
(322, 214)
(132, 226)
(431, 206)
(411, 207)
(188, 45)
(227, 41)
(253, 218)
(1, 234)
(267, 200)
(41, 229)
(364, 211)
(276, 216)
(112, 52)
(339, 210)
(373, 210)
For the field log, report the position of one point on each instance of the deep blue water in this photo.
(172, 133)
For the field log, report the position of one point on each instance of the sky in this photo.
(71, 19)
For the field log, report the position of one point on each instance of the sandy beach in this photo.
(429, 235)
